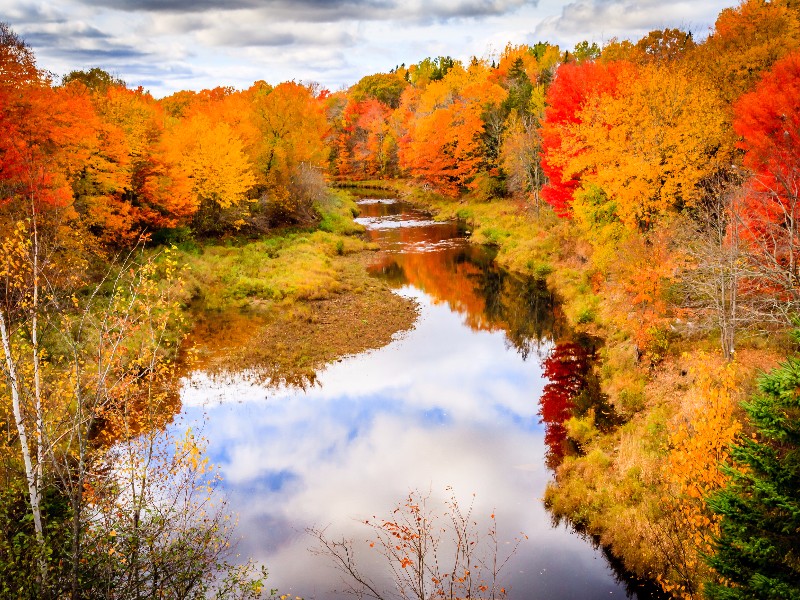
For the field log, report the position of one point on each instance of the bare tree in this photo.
(716, 269)
(428, 553)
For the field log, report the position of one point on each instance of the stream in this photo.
(468, 405)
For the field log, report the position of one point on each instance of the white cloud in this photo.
(178, 44)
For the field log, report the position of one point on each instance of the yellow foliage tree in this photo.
(650, 146)
(698, 445)
(213, 158)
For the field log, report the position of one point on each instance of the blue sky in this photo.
(168, 45)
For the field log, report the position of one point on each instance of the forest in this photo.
(654, 185)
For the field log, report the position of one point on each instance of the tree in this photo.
(212, 158)
(443, 146)
(649, 146)
(716, 266)
(768, 121)
(386, 88)
(664, 46)
(699, 443)
(365, 145)
(520, 157)
(575, 85)
(17, 62)
(427, 558)
(129, 184)
(292, 129)
(747, 40)
(755, 553)
(95, 79)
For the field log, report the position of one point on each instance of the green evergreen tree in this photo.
(757, 553)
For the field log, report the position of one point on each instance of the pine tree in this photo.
(757, 553)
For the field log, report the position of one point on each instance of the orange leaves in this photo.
(646, 136)
(212, 157)
(292, 127)
(443, 146)
(747, 40)
(366, 144)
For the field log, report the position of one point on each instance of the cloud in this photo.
(324, 11)
(599, 20)
(248, 31)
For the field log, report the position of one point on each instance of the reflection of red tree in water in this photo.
(566, 368)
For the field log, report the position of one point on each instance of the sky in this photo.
(171, 45)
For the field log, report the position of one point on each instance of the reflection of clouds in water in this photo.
(441, 406)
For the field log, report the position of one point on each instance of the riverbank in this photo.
(638, 487)
(284, 306)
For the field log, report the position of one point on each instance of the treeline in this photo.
(123, 163)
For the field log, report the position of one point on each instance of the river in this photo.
(451, 409)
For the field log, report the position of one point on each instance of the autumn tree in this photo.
(430, 550)
(443, 146)
(575, 85)
(431, 69)
(95, 79)
(292, 128)
(212, 157)
(129, 185)
(366, 146)
(386, 88)
(746, 41)
(17, 62)
(699, 443)
(650, 146)
(665, 45)
(768, 121)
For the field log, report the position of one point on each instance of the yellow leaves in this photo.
(213, 158)
(649, 146)
(699, 444)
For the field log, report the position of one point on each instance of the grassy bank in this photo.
(638, 487)
(283, 306)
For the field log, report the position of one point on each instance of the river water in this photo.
(451, 409)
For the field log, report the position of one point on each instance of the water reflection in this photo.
(573, 390)
(452, 403)
(438, 260)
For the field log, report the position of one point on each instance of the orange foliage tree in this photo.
(366, 146)
(442, 146)
(747, 40)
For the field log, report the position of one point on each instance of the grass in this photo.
(281, 307)
(283, 267)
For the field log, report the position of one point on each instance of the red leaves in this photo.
(574, 86)
(768, 120)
